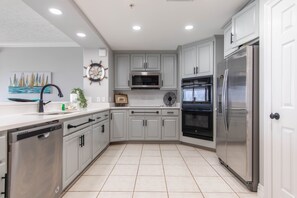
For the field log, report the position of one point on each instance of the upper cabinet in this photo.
(122, 70)
(145, 62)
(169, 71)
(228, 47)
(198, 60)
(245, 25)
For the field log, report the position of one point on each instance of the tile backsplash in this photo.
(146, 97)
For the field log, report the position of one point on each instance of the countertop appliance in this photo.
(145, 80)
(238, 115)
(197, 107)
(35, 161)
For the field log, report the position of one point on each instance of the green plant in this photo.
(83, 103)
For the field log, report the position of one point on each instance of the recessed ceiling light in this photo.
(55, 11)
(189, 27)
(136, 27)
(80, 34)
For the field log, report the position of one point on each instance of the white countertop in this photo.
(27, 119)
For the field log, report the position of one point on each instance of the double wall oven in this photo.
(197, 107)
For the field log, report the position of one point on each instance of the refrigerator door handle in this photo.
(224, 99)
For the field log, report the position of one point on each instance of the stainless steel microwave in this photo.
(145, 80)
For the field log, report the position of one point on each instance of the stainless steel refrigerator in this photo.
(237, 115)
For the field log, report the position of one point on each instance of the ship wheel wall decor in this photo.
(95, 72)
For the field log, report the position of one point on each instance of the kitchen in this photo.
(105, 99)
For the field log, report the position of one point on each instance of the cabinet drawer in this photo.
(142, 112)
(98, 117)
(71, 126)
(170, 112)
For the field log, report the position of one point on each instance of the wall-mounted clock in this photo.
(95, 72)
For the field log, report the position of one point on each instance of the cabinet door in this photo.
(71, 166)
(228, 48)
(169, 71)
(136, 128)
(106, 133)
(97, 137)
(170, 128)
(118, 130)
(245, 24)
(205, 59)
(3, 162)
(152, 62)
(189, 61)
(137, 62)
(122, 70)
(153, 128)
(86, 151)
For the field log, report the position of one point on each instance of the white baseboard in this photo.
(260, 191)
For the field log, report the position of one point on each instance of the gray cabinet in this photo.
(228, 40)
(198, 60)
(152, 128)
(170, 129)
(169, 71)
(105, 133)
(148, 62)
(71, 163)
(86, 154)
(144, 128)
(136, 127)
(3, 161)
(122, 71)
(118, 125)
(245, 24)
(97, 139)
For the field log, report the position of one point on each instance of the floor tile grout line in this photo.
(218, 174)
(164, 171)
(137, 171)
(111, 170)
(191, 173)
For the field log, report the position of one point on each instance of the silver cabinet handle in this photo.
(163, 122)
(231, 38)
(170, 112)
(143, 123)
(194, 70)
(197, 70)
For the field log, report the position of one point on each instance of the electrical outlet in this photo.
(98, 99)
(103, 99)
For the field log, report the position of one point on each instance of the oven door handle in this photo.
(224, 99)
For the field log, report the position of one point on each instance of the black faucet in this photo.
(41, 103)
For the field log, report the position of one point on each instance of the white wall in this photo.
(95, 92)
(64, 63)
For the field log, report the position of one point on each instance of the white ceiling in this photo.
(20, 26)
(162, 21)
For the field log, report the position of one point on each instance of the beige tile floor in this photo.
(158, 171)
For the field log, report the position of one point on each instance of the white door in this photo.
(136, 128)
(189, 61)
(152, 128)
(205, 59)
(284, 98)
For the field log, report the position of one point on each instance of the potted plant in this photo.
(82, 101)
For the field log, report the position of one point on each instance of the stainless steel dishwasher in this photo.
(35, 161)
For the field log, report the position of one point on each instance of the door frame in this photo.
(266, 94)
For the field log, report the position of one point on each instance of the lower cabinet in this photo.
(118, 125)
(74, 155)
(100, 137)
(3, 163)
(170, 129)
(86, 154)
(144, 128)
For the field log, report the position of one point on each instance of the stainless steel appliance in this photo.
(197, 108)
(238, 115)
(145, 80)
(35, 161)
